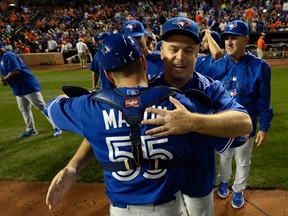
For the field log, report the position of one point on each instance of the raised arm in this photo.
(213, 46)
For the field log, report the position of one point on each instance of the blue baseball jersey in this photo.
(109, 135)
(25, 82)
(154, 68)
(203, 62)
(200, 168)
(96, 68)
(154, 64)
(248, 81)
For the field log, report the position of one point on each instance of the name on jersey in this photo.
(111, 120)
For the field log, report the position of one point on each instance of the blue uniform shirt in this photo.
(96, 68)
(200, 168)
(248, 81)
(25, 82)
(109, 135)
(154, 64)
(203, 62)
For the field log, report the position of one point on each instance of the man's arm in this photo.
(68, 175)
(224, 124)
(95, 77)
(215, 50)
(9, 76)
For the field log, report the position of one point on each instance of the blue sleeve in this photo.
(94, 66)
(265, 111)
(66, 114)
(219, 144)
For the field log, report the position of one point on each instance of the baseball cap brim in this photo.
(136, 34)
(231, 33)
(103, 35)
(182, 32)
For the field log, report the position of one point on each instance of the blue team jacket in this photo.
(25, 82)
(200, 169)
(248, 81)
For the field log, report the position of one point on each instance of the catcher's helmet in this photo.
(117, 50)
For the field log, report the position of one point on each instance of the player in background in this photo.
(141, 188)
(135, 29)
(151, 40)
(82, 50)
(247, 78)
(26, 88)
(210, 50)
(261, 45)
(97, 70)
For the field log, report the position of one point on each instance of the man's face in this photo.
(204, 48)
(179, 54)
(235, 45)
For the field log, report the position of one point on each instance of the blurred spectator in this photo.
(89, 20)
(52, 45)
(82, 50)
(261, 46)
(65, 46)
(26, 49)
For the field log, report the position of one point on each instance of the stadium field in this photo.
(28, 165)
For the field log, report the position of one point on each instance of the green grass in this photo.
(40, 157)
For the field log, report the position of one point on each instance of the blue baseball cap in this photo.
(134, 28)
(103, 35)
(181, 25)
(118, 50)
(1, 44)
(236, 27)
(216, 37)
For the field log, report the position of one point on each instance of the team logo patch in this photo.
(231, 26)
(131, 102)
(233, 92)
(131, 26)
(182, 23)
(132, 91)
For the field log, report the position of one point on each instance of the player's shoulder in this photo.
(9, 53)
(257, 62)
(155, 55)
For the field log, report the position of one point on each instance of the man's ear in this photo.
(144, 62)
(161, 52)
(247, 39)
(109, 77)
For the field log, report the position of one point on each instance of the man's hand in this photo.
(261, 137)
(59, 185)
(172, 121)
(3, 81)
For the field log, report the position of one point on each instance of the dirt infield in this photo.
(22, 198)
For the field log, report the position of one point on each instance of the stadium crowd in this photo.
(27, 29)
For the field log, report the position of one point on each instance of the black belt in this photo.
(130, 164)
